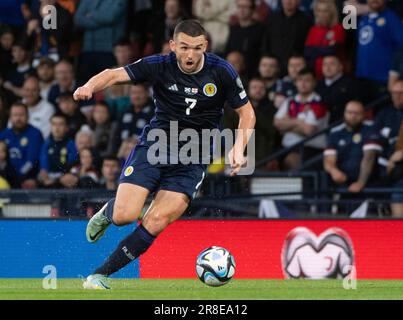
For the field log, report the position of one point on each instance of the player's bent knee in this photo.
(123, 215)
(155, 224)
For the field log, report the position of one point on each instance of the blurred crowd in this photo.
(303, 62)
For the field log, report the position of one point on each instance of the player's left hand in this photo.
(356, 187)
(236, 160)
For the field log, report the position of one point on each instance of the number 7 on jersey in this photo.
(191, 103)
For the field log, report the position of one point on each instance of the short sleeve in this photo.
(144, 70)
(373, 141)
(235, 92)
(331, 146)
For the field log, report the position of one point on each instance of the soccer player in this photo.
(190, 87)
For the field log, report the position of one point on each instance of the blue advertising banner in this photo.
(28, 246)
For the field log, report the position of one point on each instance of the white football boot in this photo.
(96, 282)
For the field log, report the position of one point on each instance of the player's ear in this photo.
(172, 45)
(205, 45)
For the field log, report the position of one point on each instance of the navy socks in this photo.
(129, 249)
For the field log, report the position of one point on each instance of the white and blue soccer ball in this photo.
(215, 266)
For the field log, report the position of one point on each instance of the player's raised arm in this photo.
(247, 120)
(101, 81)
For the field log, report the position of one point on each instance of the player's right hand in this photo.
(83, 93)
(338, 177)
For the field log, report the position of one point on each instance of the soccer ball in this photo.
(215, 266)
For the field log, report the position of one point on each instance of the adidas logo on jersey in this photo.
(174, 87)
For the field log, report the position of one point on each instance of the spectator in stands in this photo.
(46, 75)
(301, 116)
(363, 7)
(58, 153)
(141, 12)
(142, 110)
(104, 24)
(83, 175)
(110, 173)
(8, 175)
(69, 108)
(85, 139)
(51, 42)
(336, 89)
(103, 127)
(214, 16)
(6, 58)
(395, 174)
(286, 86)
(380, 35)
(86, 170)
(237, 60)
(387, 124)
(352, 148)
(246, 36)
(325, 37)
(126, 148)
(66, 82)
(40, 110)
(269, 71)
(286, 32)
(266, 136)
(118, 97)
(24, 144)
(396, 71)
(22, 68)
(161, 28)
(14, 14)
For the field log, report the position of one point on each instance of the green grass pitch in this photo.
(189, 289)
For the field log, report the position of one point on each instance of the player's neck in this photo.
(196, 71)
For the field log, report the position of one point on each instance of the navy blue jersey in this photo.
(58, 156)
(132, 123)
(387, 123)
(349, 146)
(24, 148)
(380, 35)
(196, 100)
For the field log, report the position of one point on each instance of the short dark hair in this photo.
(332, 56)
(190, 27)
(270, 56)
(110, 158)
(19, 104)
(306, 71)
(59, 115)
(123, 42)
(260, 79)
(45, 61)
(68, 95)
